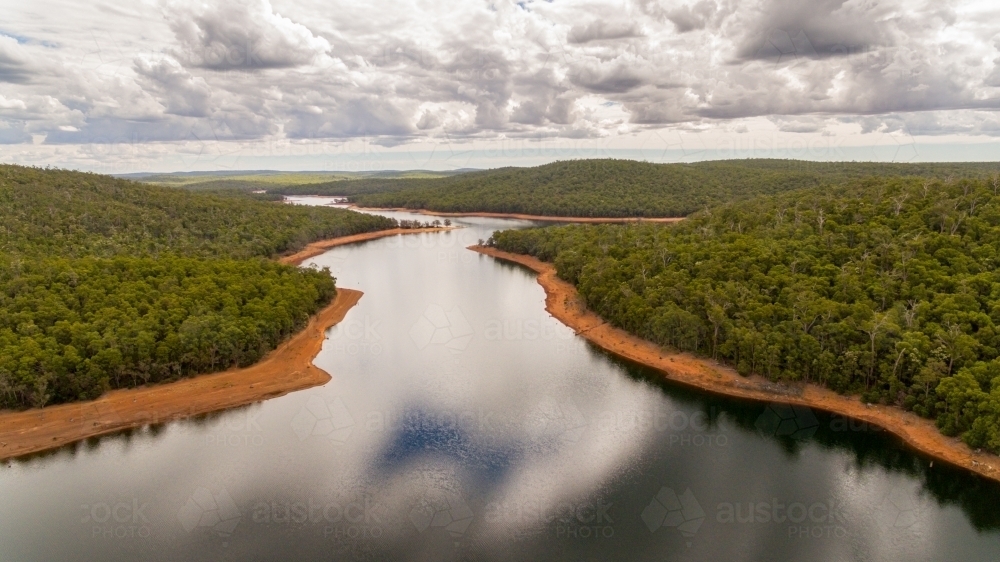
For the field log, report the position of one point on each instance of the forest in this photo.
(620, 188)
(886, 287)
(107, 283)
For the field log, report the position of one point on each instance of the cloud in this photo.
(398, 72)
(231, 34)
(932, 123)
(994, 78)
(619, 75)
(801, 124)
(12, 132)
(690, 18)
(353, 118)
(817, 28)
(14, 64)
(179, 91)
(602, 29)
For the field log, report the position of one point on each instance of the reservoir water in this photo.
(464, 423)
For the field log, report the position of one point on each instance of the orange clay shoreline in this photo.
(563, 302)
(317, 248)
(285, 369)
(541, 218)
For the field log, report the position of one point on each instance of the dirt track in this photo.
(541, 218)
(563, 302)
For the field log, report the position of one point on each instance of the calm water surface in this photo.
(464, 423)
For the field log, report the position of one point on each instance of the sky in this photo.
(177, 85)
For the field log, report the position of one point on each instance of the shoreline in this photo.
(285, 369)
(540, 218)
(562, 301)
(314, 249)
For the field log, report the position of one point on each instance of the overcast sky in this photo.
(332, 84)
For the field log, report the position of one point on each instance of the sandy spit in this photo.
(563, 302)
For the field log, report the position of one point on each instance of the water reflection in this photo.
(462, 422)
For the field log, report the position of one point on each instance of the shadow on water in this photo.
(421, 433)
(126, 437)
(869, 445)
(130, 436)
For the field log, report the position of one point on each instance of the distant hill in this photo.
(618, 188)
(275, 177)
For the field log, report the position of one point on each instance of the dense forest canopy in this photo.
(356, 187)
(106, 283)
(621, 188)
(886, 287)
(54, 212)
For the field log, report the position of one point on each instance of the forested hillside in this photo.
(106, 283)
(887, 287)
(623, 188)
(356, 187)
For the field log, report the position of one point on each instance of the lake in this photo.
(464, 423)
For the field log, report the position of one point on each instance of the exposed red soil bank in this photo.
(564, 303)
(317, 248)
(286, 369)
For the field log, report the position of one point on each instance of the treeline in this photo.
(228, 185)
(355, 187)
(887, 287)
(258, 190)
(56, 212)
(625, 188)
(72, 328)
(107, 283)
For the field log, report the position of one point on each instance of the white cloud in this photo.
(230, 34)
(397, 72)
(179, 91)
(14, 61)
